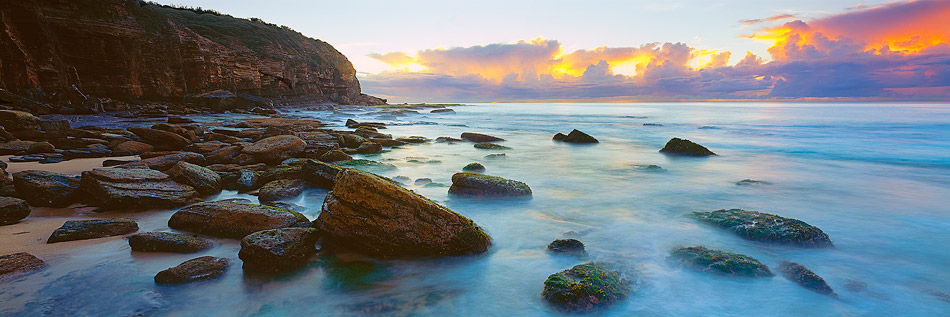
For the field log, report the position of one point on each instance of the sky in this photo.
(498, 51)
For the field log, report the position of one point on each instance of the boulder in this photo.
(280, 189)
(204, 180)
(12, 210)
(445, 139)
(387, 142)
(367, 165)
(223, 155)
(352, 140)
(165, 162)
(201, 268)
(413, 139)
(804, 277)
(168, 242)
(320, 174)
(17, 263)
(234, 219)
(277, 250)
(91, 229)
(335, 156)
(371, 214)
(205, 147)
(576, 136)
(369, 148)
(45, 188)
(469, 184)
(567, 246)
(677, 146)
(161, 140)
(720, 262)
(276, 148)
(559, 136)
(760, 226)
(14, 120)
(134, 188)
(14, 147)
(585, 287)
(443, 110)
(41, 147)
(474, 167)
(478, 137)
(134, 147)
(490, 146)
(247, 180)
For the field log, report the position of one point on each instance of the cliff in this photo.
(64, 50)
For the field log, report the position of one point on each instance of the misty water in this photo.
(874, 177)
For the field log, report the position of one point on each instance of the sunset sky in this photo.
(629, 50)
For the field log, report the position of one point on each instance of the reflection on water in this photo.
(876, 178)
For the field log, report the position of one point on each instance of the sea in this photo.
(874, 176)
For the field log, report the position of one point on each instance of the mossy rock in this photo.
(721, 262)
(467, 184)
(804, 277)
(575, 136)
(91, 229)
(168, 242)
(683, 147)
(281, 189)
(567, 246)
(490, 146)
(202, 268)
(474, 167)
(585, 287)
(277, 250)
(367, 165)
(760, 226)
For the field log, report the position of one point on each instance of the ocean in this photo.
(874, 176)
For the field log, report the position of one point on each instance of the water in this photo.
(874, 177)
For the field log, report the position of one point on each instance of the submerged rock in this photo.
(234, 219)
(91, 229)
(585, 287)
(747, 181)
(135, 188)
(474, 167)
(374, 215)
(479, 185)
(320, 174)
(277, 249)
(567, 246)
(760, 226)
(12, 210)
(478, 137)
(204, 180)
(45, 188)
(805, 278)
(490, 146)
(576, 136)
(367, 165)
(721, 262)
(677, 146)
(20, 262)
(276, 148)
(168, 242)
(201, 268)
(280, 189)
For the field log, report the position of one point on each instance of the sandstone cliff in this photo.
(130, 50)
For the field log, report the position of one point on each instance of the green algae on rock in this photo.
(490, 146)
(585, 287)
(474, 167)
(469, 184)
(804, 277)
(367, 165)
(281, 189)
(759, 226)
(567, 246)
(721, 262)
(168, 242)
(201, 268)
(91, 229)
(677, 146)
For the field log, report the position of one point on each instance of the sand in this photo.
(74, 166)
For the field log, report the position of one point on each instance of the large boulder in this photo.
(12, 210)
(161, 140)
(277, 249)
(760, 226)
(201, 268)
(280, 189)
(468, 184)
(374, 215)
(14, 120)
(91, 229)
(17, 263)
(576, 136)
(234, 219)
(276, 148)
(45, 188)
(14, 147)
(164, 162)
(478, 137)
(135, 188)
(320, 174)
(203, 179)
(804, 277)
(677, 146)
(585, 287)
(168, 242)
(369, 148)
(335, 156)
(720, 262)
(134, 147)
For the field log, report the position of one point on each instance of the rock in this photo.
(280, 189)
(422, 181)
(205, 147)
(201, 268)
(18, 120)
(335, 156)
(413, 140)
(478, 185)
(161, 140)
(179, 120)
(134, 188)
(759, 226)
(567, 246)
(320, 174)
(805, 278)
(350, 123)
(41, 147)
(91, 229)
(585, 287)
(45, 188)
(168, 242)
(352, 140)
(491, 146)
(17, 263)
(367, 165)
(445, 139)
(388, 142)
(401, 179)
(496, 156)
(134, 147)
(369, 148)
(576, 136)
(721, 262)
(165, 162)
(276, 148)
(443, 110)
(246, 181)
(474, 167)
(223, 155)
(373, 215)
(277, 250)
(231, 219)
(204, 180)
(12, 210)
(14, 147)
(111, 162)
(478, 137)
(677, 146)
(746, 182)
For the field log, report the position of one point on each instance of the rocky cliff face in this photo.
(55, 50)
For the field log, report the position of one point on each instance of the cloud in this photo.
(777, 17)
(893, 51)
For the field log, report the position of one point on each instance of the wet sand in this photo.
(74, 166)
